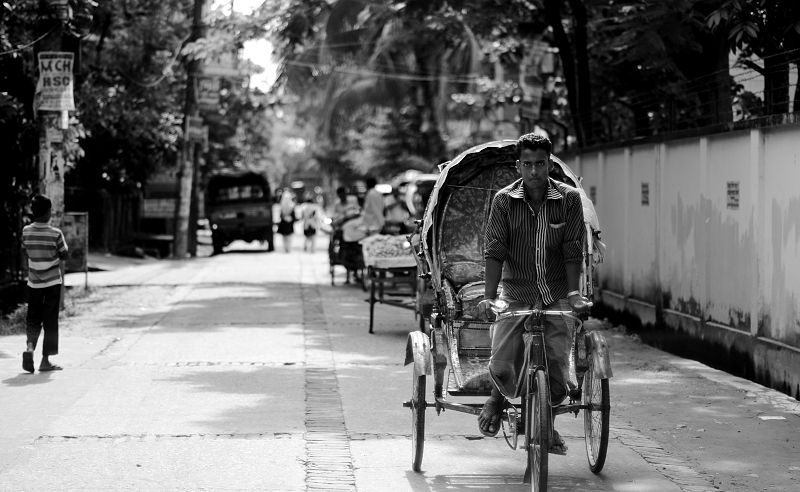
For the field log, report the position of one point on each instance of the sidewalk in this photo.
(107, 270)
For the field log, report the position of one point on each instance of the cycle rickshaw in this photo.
(454, 345)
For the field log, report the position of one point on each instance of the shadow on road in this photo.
(247, 399)
(28, 379)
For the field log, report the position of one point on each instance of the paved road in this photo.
(249, 371)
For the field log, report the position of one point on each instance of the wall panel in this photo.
(780, 265)
(730, 229)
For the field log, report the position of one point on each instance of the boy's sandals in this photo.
(27, 361)
(489, 418)
(50, 367)
(557, 445)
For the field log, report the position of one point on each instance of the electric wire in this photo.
(26, 46)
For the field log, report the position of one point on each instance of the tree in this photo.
(657, 68)
(573, 49)
(769, 29)
(380, 54)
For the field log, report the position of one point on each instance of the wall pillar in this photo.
(704, 269)
(660, 152)
(627, 203)
(756, 190)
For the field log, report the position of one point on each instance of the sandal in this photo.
(557, 445)
(490, 414)
(27, 361)
(51, 367)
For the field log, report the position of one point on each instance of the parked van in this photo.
(239, 206)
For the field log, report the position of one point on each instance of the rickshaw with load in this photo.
(453, 346)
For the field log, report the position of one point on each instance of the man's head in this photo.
(370, 182)
(533, 159)
(41, 206)
(533, 141)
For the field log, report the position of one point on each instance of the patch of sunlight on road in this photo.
(641, 486)
(761, 394)
(715, 413)
(643, 381)
(727, 466)
(477, 481)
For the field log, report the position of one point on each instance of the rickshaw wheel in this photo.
(596, 418)
(538, 425)
(418, 405)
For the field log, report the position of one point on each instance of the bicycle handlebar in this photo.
(499, 309)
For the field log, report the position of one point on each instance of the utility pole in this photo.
(52, 103)
(187, 158)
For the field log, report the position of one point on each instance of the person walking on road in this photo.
(46, 250)
(534, 243)
(287, 219)
(310, 214)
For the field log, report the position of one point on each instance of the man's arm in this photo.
(573, 249)
(573, 276)
(494, 270)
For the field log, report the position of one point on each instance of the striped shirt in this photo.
(533, 247)
(45, 247)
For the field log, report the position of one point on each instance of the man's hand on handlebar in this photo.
(484, 310)
(580, 304)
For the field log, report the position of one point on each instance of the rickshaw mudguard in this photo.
(597, 346)
(418, 352)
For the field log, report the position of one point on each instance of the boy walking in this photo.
(46, 249)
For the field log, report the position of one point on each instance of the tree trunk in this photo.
(584, 82)
(552, 9)
(186, 157)
(716, 99)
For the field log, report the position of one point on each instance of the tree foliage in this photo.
(770, 30)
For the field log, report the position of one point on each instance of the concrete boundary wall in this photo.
(703, 238)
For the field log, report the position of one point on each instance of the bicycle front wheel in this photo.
(596, 415)
(418, 406)
(538, 423)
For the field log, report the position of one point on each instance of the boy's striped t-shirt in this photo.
(45, 247)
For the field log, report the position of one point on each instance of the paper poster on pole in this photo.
(54, 90)
(208, 92)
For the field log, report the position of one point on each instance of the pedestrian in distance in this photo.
(346, 207)
(534, 243)
(287, 219)
(310, 214)
(374, 208)
(46, 250)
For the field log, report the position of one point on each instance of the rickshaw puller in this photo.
(534, 242)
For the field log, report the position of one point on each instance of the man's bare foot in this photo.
(489, 418)
(557, 444)
(48, 366)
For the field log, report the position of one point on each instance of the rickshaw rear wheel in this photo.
(418, 405)
(596, 418)
(538, 425)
